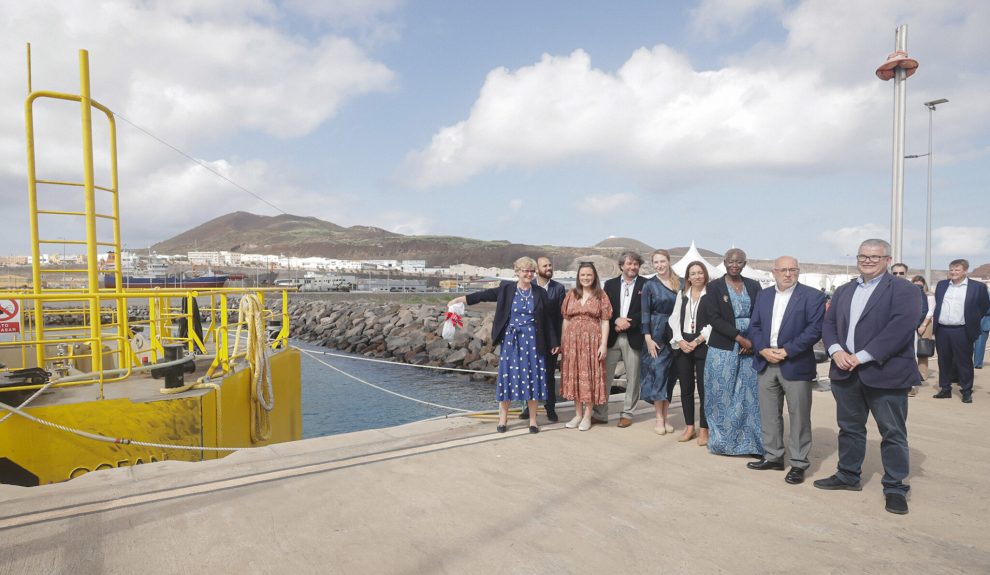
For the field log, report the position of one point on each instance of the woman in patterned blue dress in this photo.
(732, 405)
(659, 297)
(522, 325)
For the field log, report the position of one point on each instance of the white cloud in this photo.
(809, 103)
(959, 242)
(606, 204)
(713, 18)
(845, 241)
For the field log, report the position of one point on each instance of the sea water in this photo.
(334, 403)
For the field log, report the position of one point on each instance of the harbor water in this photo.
(333, 403)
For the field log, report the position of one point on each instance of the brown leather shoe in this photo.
(624, 422)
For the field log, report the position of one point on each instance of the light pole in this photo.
(928, 215)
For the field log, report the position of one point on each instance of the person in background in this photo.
(960, 305)
(625, 342)
(659, 297)
(925, 330)
(981, 341)
(732, 405)
(869, 334)
(899, 270)
(523, 326)
(587, 313)
(555, 291)
(786, 325)
(688, 339)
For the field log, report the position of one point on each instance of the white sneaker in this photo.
(573, 423)
(585, 425)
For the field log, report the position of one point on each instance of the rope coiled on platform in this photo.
(251, 313)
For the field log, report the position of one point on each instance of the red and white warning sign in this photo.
(10, 316)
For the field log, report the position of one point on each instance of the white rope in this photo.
(358, 379)
(103, 438)
(390, 362)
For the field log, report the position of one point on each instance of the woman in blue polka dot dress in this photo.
(522, 325)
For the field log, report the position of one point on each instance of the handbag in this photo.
(926, 347)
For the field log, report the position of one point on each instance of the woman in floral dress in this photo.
(586, 312)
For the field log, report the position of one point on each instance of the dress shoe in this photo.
(585, 425)
(967, 398)
(599, 421)
(625, 422)
(943, 394)
(534, 429)
(524, 414)
(659, 429)
(703, 440)
(764, 464)
(795, 476)
(913, 392)
(896, 503)
(668, 427)
(833, 483)
(686, 438)
(573, 422)
(552, 415)
(502, 428)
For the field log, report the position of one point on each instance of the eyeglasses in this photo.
(874, 259)
(528, 271)
(897, 273)
(787, 270)
(735, 262)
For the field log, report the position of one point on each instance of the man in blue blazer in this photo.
(960, 304)
(785, 326)
(869, 333)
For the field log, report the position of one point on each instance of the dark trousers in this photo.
(690, 369)
(955, 357)
(551, 383)
(854, 402)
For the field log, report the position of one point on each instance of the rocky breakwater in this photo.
(406, 333)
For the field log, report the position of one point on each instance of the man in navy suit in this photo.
(556, 293)
(869, 333)
(625, 342)
(786, 323)
(959, 306)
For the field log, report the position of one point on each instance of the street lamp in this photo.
(928, 217)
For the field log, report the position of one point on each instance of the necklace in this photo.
(525, 294)
(693, 311)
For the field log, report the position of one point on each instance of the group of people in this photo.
(746, 350)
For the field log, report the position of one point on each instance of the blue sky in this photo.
(755, 123)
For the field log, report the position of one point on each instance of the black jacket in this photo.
(613, 289)
(716, 309)
(547, 337)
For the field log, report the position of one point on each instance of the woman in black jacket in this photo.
(522, 325)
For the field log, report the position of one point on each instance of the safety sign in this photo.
(10, 316)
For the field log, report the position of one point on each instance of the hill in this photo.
(306, 236)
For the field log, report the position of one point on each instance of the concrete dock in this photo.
(452, 496)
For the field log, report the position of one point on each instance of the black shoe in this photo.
(795, 476)
(599, 421)
(967, 398)
(524, 414)
(896, 503)
(552, 415)
(534, 429)
(502, 428)
(834, 483)
(763, 465)
(943, 394)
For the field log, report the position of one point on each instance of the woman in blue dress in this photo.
(732, 405)
(523, 328)
(659, 297)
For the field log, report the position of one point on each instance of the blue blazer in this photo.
(800, 330)
(885, 330)
(546, 334)
(977, 302)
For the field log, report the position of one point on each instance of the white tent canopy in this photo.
(693, 255)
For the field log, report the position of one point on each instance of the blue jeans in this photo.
(854, 402)
(981, 348)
